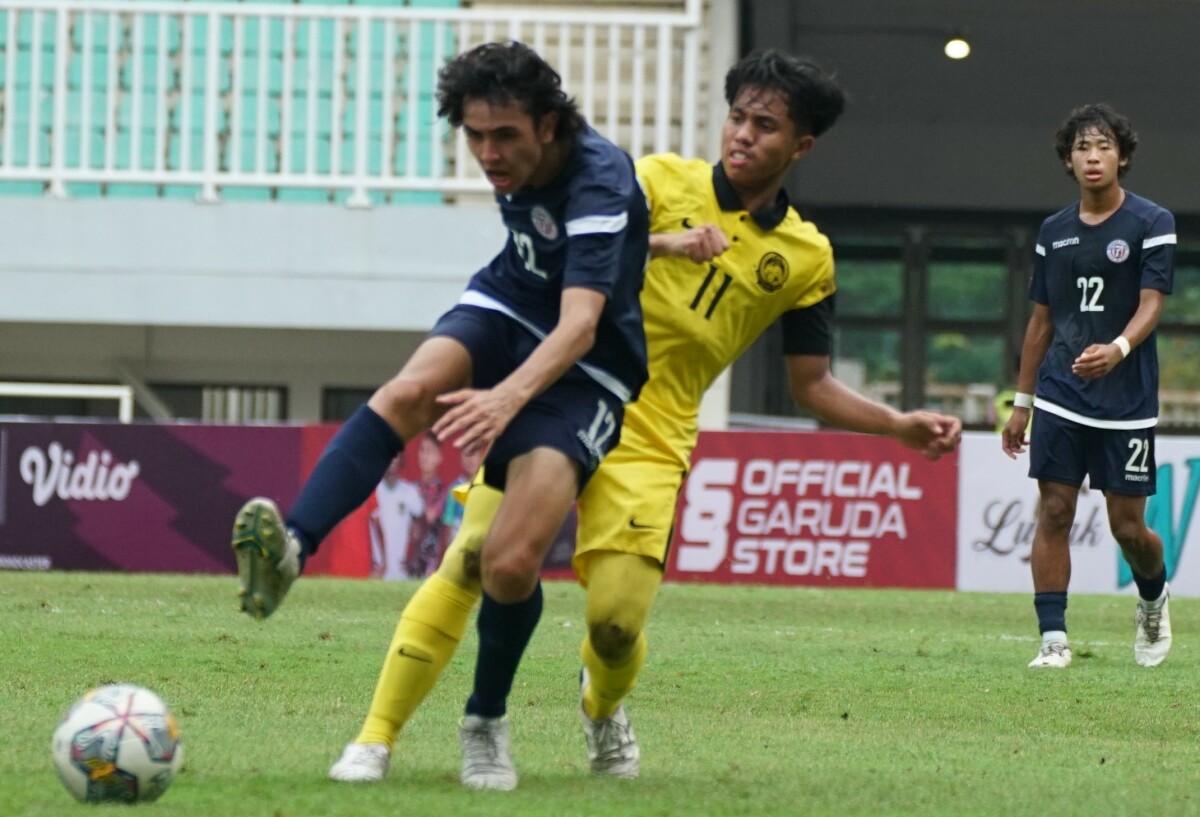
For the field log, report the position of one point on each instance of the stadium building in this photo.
(244, 211)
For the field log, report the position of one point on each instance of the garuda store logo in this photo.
(772, 272)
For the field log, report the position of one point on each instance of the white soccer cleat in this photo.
(361, 763)
(486, 762)
(612, 747)
(1052, 655)
(1153, 639)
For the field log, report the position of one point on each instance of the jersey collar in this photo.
(768, 218)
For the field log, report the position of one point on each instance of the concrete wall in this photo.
(176, 263)
(302, 296)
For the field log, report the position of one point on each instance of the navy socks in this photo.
(1051, 611)
(345, 475)
(504, 632)
(1151, 589)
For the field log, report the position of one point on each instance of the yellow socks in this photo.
(432, 624)
(608, 685)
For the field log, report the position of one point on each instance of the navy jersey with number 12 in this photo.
(588, 228)
(1091, 278)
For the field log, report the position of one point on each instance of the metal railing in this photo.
(218, 97)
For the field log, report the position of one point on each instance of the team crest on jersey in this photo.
(1118, 251)
(544, 223)
(772, 272)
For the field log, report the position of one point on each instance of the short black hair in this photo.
(815, 100)
(503, 73)
(1101, 118)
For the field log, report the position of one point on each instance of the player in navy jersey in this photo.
(534, 364)
(1102, 268)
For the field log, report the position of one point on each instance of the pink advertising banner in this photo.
(106, 496)
(162, 498)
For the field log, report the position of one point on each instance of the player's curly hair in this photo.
(503, 73)
(815, 100)
(1102, 118)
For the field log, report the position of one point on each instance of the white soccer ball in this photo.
(118, 743)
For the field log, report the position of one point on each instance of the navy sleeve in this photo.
(1037, 286)
(1158, 253)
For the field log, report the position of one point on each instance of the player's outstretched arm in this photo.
(931, 433)
(814, 387)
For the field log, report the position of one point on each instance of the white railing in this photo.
(337, 98)
(75, 391)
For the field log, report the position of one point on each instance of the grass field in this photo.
(755, 701)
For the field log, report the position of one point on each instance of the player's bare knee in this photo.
(612, 640)
(1129, 533)
(405, 400)
(509, 577)
(1055, 514)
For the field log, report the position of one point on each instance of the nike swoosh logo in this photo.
(633, 523)
(687, 224)
(424, 658)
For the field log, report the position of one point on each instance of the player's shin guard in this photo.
(430, 628)
(608, 684)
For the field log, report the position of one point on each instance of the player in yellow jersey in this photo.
(730, 256)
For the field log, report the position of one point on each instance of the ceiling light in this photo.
(957, 47)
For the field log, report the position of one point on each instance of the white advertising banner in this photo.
(997, 503)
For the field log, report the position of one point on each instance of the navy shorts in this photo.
(1117, 460)
(576, 415)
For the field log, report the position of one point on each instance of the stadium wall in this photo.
(236, 292)
(812, 509)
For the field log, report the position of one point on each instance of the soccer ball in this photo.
(118, 743)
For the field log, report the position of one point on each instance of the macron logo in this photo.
(1066, 242)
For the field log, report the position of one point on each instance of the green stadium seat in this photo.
(304, 195)
(84, 190)
(238, 193)
(22, 189)
(172, 30)
(132, 191)
(188, 192)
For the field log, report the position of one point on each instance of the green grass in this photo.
(754, 701)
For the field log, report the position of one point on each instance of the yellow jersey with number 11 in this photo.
(700, 317)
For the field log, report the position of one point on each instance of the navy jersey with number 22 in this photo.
(1091, 278)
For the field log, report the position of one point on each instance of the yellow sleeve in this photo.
(823, 284)
(653, 172)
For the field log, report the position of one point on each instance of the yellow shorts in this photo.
(628, 506)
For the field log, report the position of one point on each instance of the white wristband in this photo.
(1123, 344)
(1022, 400)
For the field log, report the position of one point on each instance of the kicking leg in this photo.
(270, 554)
